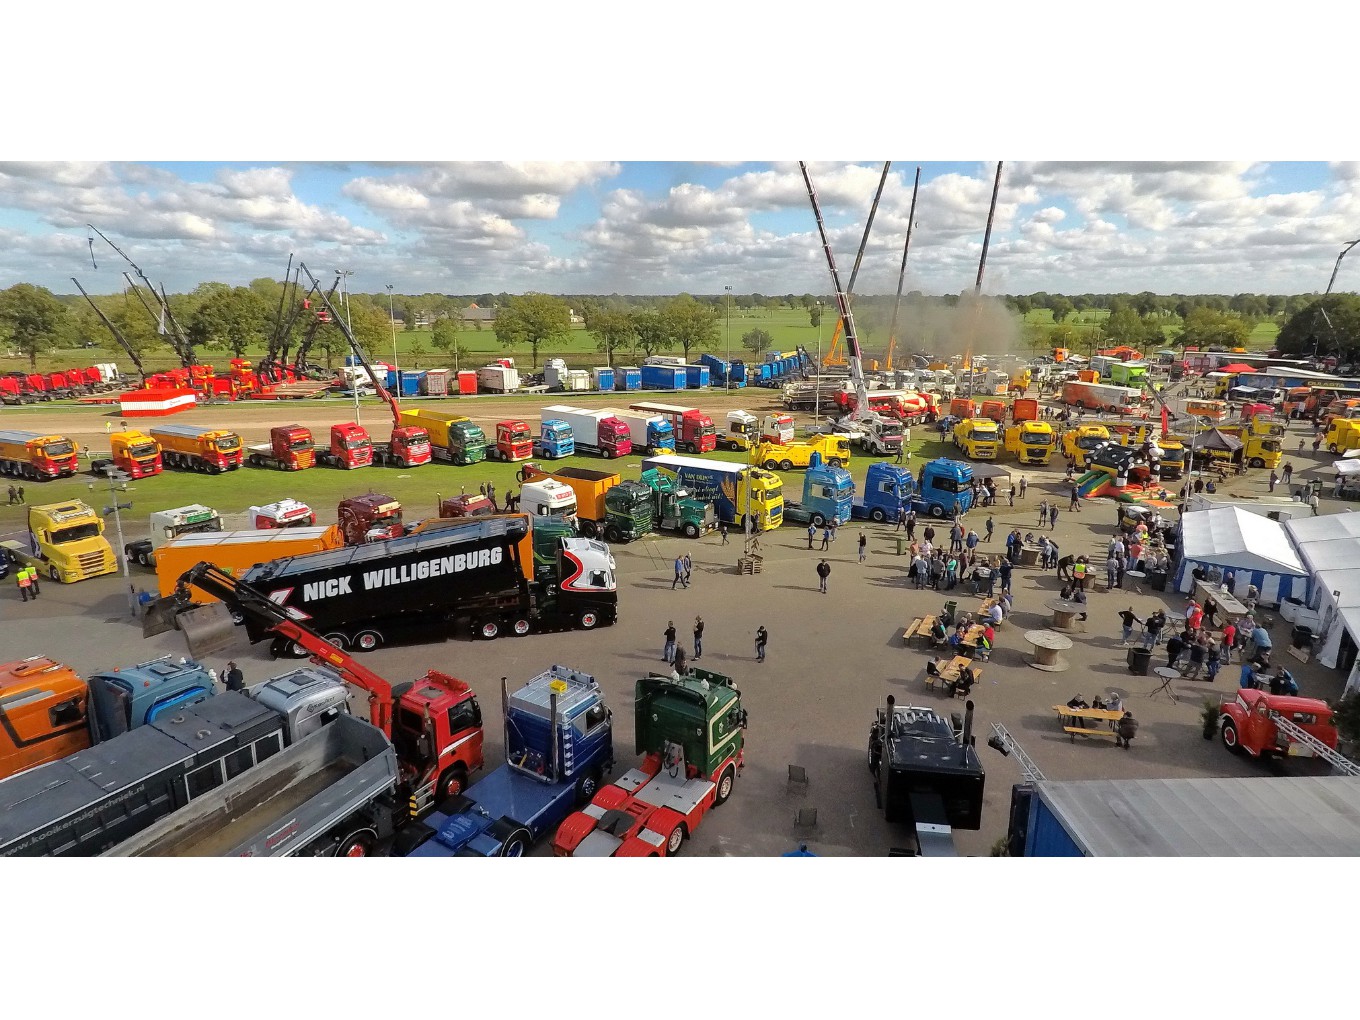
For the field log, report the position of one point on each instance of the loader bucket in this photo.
(160, 616)
(208, 629)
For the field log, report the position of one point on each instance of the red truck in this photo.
(191, 448)
(36, 456)
(513, 442)
(694, 431)
(350, 447)
(371, 517)
(1268, 725)
(289, 448)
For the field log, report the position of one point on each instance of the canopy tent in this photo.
(1237, 368)
(1256, 549)
(1336, 597)
(989, 471)
(1217, 439)
(1346, 467)
(1329, 542)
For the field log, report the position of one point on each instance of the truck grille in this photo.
(91, 563)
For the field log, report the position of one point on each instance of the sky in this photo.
(637, 227)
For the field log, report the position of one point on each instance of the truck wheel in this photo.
(818, 520)
(835, 462)
(53, 574)
(586, 787)
(401, 463)
(691, 530)
(588, 528)
(1331, 448)
(1257, 462)
(142, 558)
(725, 781)
(341, 641)
(368, 640)
(356, 844)
(1230, 739)
(608, 454)
(937, 511)
(453, 782)
(877, 515)
(517, 845)
(588, 619)
(675, 840)
(611, 534)
(520, 626)
(770, 465)
(787, 465)
(489, 629)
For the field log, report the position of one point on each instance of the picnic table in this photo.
(1065, 616)
(1070, 717)
(1226, 603)
(949, 671)
(1047, 646)
(971, 637)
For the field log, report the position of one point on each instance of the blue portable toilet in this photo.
(604, 378)
(697, 376)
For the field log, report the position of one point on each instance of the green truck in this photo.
(654, 503)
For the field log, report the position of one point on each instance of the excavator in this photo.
(428, 720)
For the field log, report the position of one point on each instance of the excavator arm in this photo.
(206, 633)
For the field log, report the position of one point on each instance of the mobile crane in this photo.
(183, 349)
(122, 340)
(434, 721)
(902, 274)
(410, 444)
(834, 357)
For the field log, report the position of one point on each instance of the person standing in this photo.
(233, 677)
(920, 569)
(1053, 518)
(13, 495)
(1312, 500)
(823, 572)
(1288, 471)
(21, 494)
(698, 638)
(762, 638)
(679, 573)
(826, 537)
(21, 579)
(35, 586)
(901, 519)
(990, 526)
(812, 533)
(863, 544)
(900, 448)
(1173, 650)
(722, 530)
(1004, 572)
(1112, 571)
(668, 649)
(1229, 639)
(911, 525)
(956, 538)
(929, 534)
(1043, 512)
(1023, 486)
(1011, 496)
(1270, 485)
(678, 666)
(1213, 658)
(1128, 618)
(689, 568)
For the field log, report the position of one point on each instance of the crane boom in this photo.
(122, 340)
(182, 348)
(834, 356)
(1008, 745)
(902, 274)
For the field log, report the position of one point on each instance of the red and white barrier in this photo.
(156, 403)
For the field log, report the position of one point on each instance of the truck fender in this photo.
(515, 839)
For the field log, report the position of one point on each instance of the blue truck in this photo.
(627, 378)
(663, 377)
(555, 440)
(887, 489)
(558, 744)
(827, 495)
(944, 488)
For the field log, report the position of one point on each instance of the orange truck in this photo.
(237, 551)
(963, 407)
(513, 442)
(191, 448)
(1024, 409)
(995, 410)
(131, 451)
(35, 456)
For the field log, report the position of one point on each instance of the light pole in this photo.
(120, 479)
(817, 384)
(727, 306)
(344, 275)
(392, 319)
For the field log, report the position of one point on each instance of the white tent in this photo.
(1328, 542)
(1256, 549)
(1346, 467)
(1339, 612)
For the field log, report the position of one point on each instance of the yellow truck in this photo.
(453, 437)
(237, 551)
(66, 543)
(1032, 442)
(978, 438)
(833, 447)
(1078, 442)
(1020, 380)
(1343, 435)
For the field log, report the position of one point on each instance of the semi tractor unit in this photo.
(1032, 442)
(737, 492)
(597, 431)
(827, 495)
(290, 448)
(455, 438)
(65, 543)
(132, 452)
(887, 489)
(650, 434)
(48, 712)
(1083, 440)
(978, 438)
(745, 430)
(554, 440)
(513, 442)
(690, 731)
(190, 448)
(351, 447)
(478, 569)
(167, 525)
(558, 745)
(35, 456)
(283, 513)
(944, 488)
(372, 517)
(693, 429)
(588, 487)
(651, 504)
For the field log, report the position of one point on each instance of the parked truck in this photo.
(290, 448)
(693, 429)
(690, 731)
(499, 377)
(48, 712)
(237, 551)
(283, 513)
(650, 434)
(978, 438)
(1032, 442)
(672, 507)
(558, 745)
(191, 448)
(132, 452)
(372, 517)
(589, 487)
(480, 570)
(827, 495)
(513, 442)
(1250, 722)
(1083, 440)
(944, 488)
(594, 431)
(35, 456)
(547, 497)
(554, 440)
(887, 489)
(453, 437)
(833, 448)
(663, 377)
(737, 492)
(350, 447)
(1101, 397)
(65, 542)
(167, 525)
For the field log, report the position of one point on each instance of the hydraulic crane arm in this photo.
(122, 340)
(834, 358)
(902, 274)
(254, 605)
(183, 349)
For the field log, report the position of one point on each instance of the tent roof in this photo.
(1237, 367)
(1327, 542)
(1308, 816)
(1217, 439)
(1345, 580)
(1233, 537)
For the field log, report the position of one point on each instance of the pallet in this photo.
(749, 564)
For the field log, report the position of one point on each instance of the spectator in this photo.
(1126, 729)
(668, 649)
(823, 572)
(1128, 618)
(812, 533)
(1173, 650)
(990, 525)
(1023, 485)
(679, 573)
(826, 538)
(233, 677)
(698, 638)
(762, 637)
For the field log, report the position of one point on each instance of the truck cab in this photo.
(555, 440)
(1032, 442)
(132, 451)
(1080, 442)
(290, 448)
(171, 524)
(743, 431)
(286, 513)
(675, 508)
(978, 438)
(827, 495)
(369, 518)
(66, 542)
(351, 446)
(514, 441)
(945, 488)
(306, 699)
(887, 489)
(464, 505)
(548, 497)
(1343, 434)
(1247, 723)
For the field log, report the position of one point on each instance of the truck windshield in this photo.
(945, 484)
(61, 449)
(358, 444)
(1036, 438)
(708, 430)
(300, 443)
(1091, 442)
(75, 533)
(520, 436)
(142, 450)
(228, 444)
(984, 432)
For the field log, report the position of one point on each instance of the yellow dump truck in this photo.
(834, 449)
(66, 543)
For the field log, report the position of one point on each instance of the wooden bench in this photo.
(914, 629)
(1083, 731)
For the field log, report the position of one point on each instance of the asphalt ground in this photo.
(831, 660)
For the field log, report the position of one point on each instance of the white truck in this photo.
(597, 431)
(547, 497)
(649, 433)
(171, 524)
(498, 378)
(286, 513)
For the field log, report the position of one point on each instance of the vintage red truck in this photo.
(1267, 725)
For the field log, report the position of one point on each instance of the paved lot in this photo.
(832, 659)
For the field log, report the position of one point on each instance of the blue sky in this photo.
(664, 227)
